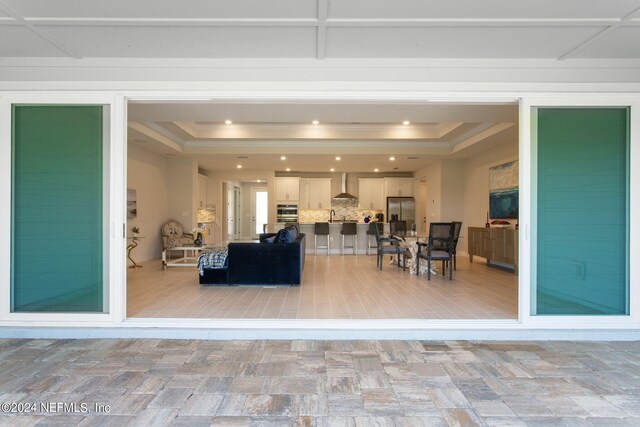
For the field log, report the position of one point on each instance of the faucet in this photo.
(331, 214)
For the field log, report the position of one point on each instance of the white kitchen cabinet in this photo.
(371, 193)
(398, 187)
(287, 189)
(315, 193)
(305, 194)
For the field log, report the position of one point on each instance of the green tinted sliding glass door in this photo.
(57, 209)
(582, 212)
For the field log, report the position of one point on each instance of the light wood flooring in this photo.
(333, 287)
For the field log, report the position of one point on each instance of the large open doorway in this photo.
(441, 156)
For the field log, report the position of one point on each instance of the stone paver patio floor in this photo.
(318, 383)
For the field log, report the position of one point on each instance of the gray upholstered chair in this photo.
(390, 246)
(371, 233)
(457, 226)
(439, 247)
(174, 236)
(398, 228)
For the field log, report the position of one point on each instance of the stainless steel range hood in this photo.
(344, 195)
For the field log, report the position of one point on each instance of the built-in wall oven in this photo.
(287, 213)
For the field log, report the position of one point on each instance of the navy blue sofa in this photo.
(260, 264)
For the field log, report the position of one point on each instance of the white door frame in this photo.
(118, 205)
(237, 212)
(230, 204)
(528, 192)
(114, 184)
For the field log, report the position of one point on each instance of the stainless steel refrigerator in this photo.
(402, 209)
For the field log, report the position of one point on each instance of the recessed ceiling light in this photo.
(315, 122)
(288, 169)
(239, 166)
(338, 157)
(376, 170)
(283, 157)
(392, 158)
(406, 122)
(257, 180)
(228, 122)
(332, 170)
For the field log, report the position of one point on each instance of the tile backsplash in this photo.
(349, 213)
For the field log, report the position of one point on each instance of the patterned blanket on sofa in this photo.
(216, 258)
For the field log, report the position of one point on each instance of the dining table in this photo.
(411, 243)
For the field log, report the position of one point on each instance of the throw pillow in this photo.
(284, 236)
(293, 230)
(271, 239)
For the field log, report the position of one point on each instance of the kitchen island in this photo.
(335, 238)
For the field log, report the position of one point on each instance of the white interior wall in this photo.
(458, 190)
(452, 207)
(432, 175)
(147, 174)
(476, 185)
(182, 186)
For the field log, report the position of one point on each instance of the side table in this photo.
(130, 247)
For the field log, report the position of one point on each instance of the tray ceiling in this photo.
(364, 135)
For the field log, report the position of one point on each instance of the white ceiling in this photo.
(364, 135)
(548, 29)
(317, 41)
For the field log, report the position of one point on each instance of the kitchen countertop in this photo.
(336, 223)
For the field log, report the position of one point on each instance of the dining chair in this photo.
(457, 226)
(371, 233)
(398, 228)
(439, 247)
(390, 246)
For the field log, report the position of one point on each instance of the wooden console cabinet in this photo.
(494, 244)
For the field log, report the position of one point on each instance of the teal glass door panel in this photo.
(582, 212)
(57, 209)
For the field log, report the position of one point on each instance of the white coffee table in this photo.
(189, 256)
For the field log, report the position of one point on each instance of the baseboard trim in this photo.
(321, 334)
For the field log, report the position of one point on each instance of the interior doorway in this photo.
(259, 211)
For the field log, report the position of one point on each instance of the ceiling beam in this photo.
(473, 22)
(323, 10)
(50, 38)
(175, 22)
(323, 21)
(625, 19)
